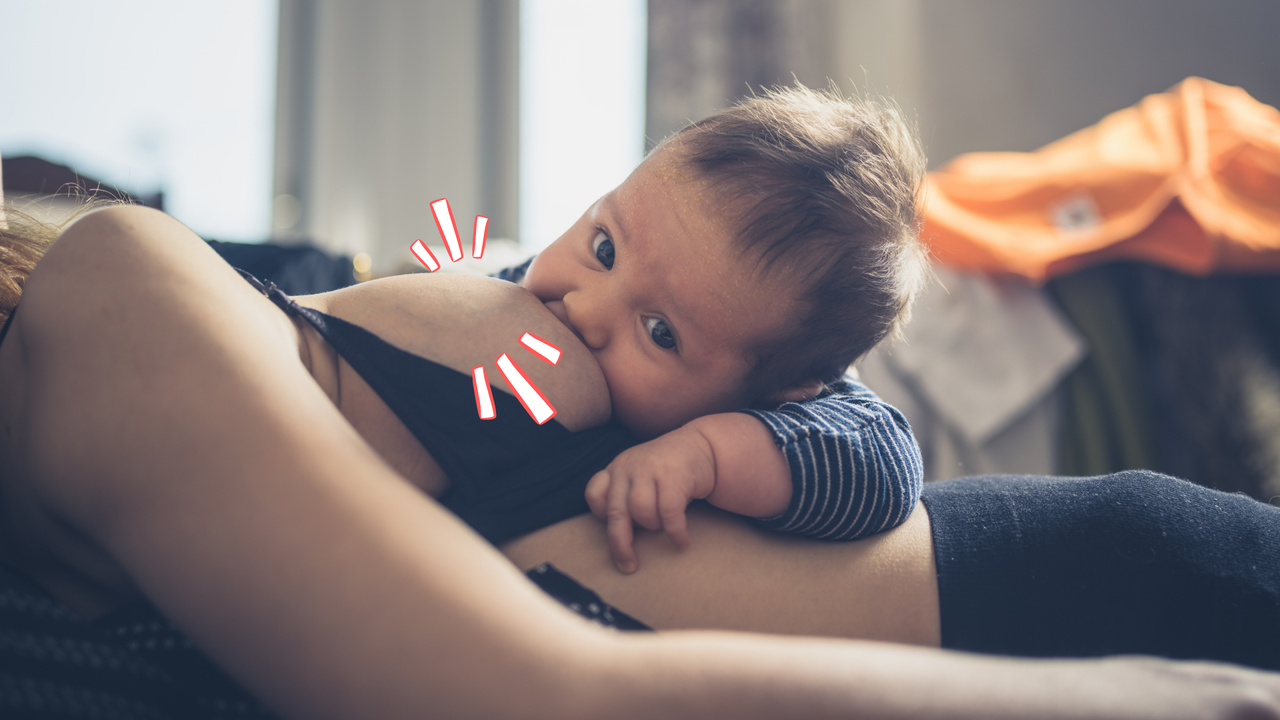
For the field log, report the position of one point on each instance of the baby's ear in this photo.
(797, 393)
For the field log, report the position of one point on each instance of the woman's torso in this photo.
(737, 577)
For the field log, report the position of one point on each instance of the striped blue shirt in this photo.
(855, 466)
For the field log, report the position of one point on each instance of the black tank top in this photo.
(509, 475)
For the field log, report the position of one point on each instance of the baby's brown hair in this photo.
(826, 188)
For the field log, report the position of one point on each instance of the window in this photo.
(582, 89)
(150, 95)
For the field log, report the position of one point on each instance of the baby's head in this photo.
(753, 256)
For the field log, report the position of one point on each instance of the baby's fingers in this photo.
(672, 506)
(597, 493)
(618, 517)
(620, 539)
(642, 503)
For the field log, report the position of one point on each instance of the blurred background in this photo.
(338, 122)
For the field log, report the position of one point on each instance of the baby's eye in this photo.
(660, 333)
(602, 246)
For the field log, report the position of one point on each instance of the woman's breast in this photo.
(736, 577)
(368, 414)
(455, 323)
(387, 434)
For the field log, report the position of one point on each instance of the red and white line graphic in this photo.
(443, 215)
(478, 236)
(484, 395)
(448, 229)
(534, 402)
(541, 347)
(424, 255)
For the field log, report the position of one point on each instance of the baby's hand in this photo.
(651, 485)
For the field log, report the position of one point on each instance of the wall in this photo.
(979, 74)
(1015, 75)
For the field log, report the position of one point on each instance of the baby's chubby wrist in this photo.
(751, 474)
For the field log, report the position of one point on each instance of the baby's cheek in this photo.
(632, 410)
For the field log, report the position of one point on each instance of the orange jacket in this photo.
(1189, 178)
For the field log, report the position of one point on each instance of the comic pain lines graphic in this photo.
(534, 401)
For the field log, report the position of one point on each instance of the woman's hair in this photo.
(24, 238)
(826, 188)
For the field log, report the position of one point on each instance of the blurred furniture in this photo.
(48, 189)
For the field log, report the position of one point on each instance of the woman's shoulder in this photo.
(109, 257)
(463, 321)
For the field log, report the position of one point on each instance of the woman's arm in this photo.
(168, 418)
(171, 422)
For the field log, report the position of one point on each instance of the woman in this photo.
(164, 435)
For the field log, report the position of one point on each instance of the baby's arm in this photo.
(841, 466)
(855, 465)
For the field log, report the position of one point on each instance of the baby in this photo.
(746, 263)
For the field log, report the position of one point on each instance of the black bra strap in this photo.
(272, 293)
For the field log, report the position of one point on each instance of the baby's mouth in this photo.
(557, 308)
